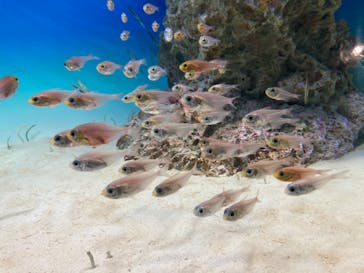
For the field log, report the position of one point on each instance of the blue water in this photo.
(38, 36)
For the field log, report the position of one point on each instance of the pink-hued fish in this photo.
(218, 201)
(130, 184)
(223, 88)
(158, 119)
(224, 150)
(131, 69)
(8, 86)
(62, 140)
(155, 96)
(240, 209)
(172, 184)
(265, 167)
(182, 88)
(128, 98)
(75, 63)
(96, 160)
(89, 100)
(150, 9)
(168, 129)
(50, 97)
(138, 165)
(310, 183)
(96, 133)
(206, 101)
(107, 68)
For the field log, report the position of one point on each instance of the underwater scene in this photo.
(182, 136)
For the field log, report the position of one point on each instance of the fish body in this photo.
(96, 160)
(204, 28)
(158, 119)
(240, 209)
(277, 93)
(208, 41)
(212, 117)
(124, 35)
(130, 97)
(155, 26)
(182, 88)
(138, 165)
(130, 184)
(224, 150)
(179, 35)
(310, 183)
(110, 5)
(218, 201)
(212, 101)
(75, 63)
(107, 68)
(50, 97)
(62, 140)
(168, 34)
(172, 184)
(131, 69)
(268, 119)
(8, 86)
(150, 9)
(96, 133)
(89, 100)
(294, 173)
(264, 167)
(124, 18)
(174, 129)
(155, 72)
(201, 66)
(280, 142)
(155, 96)
(222, 88)
(191, 76)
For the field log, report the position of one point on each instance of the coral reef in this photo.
(295, 45)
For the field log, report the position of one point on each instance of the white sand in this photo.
(50, 215)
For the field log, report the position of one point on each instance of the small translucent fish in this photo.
(277, 93)
(218, 201)
(50, 97)
(107, 68)
(155, 72)
(168, 34)
(130, 97)
(280, 142)
(208, 41)
(266, 118)
(310, 183)
(264, 167)
(96, 133)
(89, 100)
(182, 88)
(294, 173)
(143, 165)
(124, 35)
(167, 129)
(240, 209)
(62, 140)
(192, 76)
(172, 184)
(150, 9)
(158, 119)
(223, 88)
(213, 101)
(131, 69)
(75, 63)
(201, 66)
(110, 5)
(130, 184)
(156, 108)
(155, 26)
(155, 96)
(225, 150)
(203, 28)
(124, 18)
(179, 35)
(212, 117)
(96, 160)
(8, 86)
(80, 87)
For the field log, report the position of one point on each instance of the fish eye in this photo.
(76, 163)
(71, 100)
(281, 173)
(159, 190)
(200, 210)
(65, 64)
(15, 78)
(206, 118)
(250, 118)
(147, 122)
(185, 65)
(102, 66)
(249, 171)
(57, 138)
(130, 69)
(35, 99)
(153, 69)
(73, 133)
(124, 169)
(213, 88)
(275, 140)
(126, 98)
(189, 98)
(139, 97)
(204, 41)
(110, 191)
(272, 90)
(209, 151)
(232, 214)
(291, 188)
(156, 131)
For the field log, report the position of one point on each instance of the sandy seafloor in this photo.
(50, 215)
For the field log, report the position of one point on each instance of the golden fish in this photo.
(110, 5)
(50, 97)
(281, 142)
(131, 96)
(124, 18)
(203, 28)
(75, 63)
(240, 209)
(201, 66)
(8, 86)
(294, 173)
(179, 35)
(155, 26)
(218, 201)
(277, 93)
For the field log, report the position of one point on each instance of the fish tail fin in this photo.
(93, 57)
(195, 171)
(220, 65)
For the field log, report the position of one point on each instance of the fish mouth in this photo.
(30, 101)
